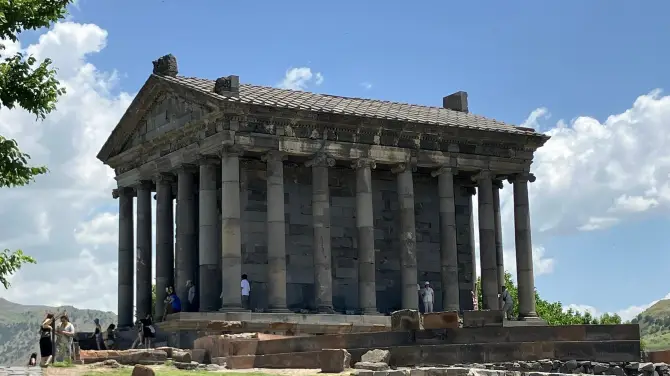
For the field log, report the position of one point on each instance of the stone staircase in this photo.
(599, 343)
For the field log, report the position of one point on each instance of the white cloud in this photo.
(592, 175)
(366, 85)
(300, 79)
(62, 218)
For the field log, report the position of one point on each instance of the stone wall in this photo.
(298, 209)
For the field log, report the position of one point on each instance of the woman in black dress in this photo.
(148, 331)
(46, 343)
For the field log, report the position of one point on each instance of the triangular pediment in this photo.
(155, 111)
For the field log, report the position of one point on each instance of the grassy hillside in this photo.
(19, 325)
(655, 325)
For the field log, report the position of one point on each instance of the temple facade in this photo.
(328, 204)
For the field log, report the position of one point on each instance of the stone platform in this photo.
(598, 343)
(182, 329)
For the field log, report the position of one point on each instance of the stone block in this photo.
(376, 356)
(478, 319)
(334, 360)
(187, 366)
(406, 319)
(140, 370)
(440, 320)
(372, 366)
(181, 356)
(199, 355)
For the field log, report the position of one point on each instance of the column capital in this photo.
(482, 175)
(143, 184)
(444, 170)
(187, 167)
(364, 162)
(321, 159)
(163, 177)
(122, 191)
(230, 151)
(404, 166)
(207, 159)
(497, 183)
(524, 177)
(273, 156)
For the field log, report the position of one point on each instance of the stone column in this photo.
(487, 241)
(143, 260)
(185, 255)
(276, 232)
(408, 267)
(231, 234)
(208, 260)
(524, 246)
(164, 240)
(500, 266)
(367, 291)
(448, 244)
(126, 258)
(323, 279)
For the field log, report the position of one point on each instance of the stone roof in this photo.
(369, 108)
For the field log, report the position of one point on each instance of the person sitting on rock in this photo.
(508, 303)
(172, 302)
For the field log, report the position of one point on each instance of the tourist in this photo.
(32, 361)
(46, 343)
(475, 304)
(148, 330)
(172, 302)
(508, 303)
(428, 296)
(97, 335)
(109, 337)
(65, 339)
(139, 338)
(246, 289)
(191, 296)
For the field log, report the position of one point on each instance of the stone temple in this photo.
(329, 204)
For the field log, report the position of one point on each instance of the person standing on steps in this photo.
(246, 289)
(428, 295)
(192, 303)
(508, 303)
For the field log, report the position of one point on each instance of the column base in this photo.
(370, 312)
(533, 319)
(328, 310)
(233, 308)
(279, 310)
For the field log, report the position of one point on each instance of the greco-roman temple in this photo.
(329, 204)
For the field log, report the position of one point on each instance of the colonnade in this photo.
(200, 234)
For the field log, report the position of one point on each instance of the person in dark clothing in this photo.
(32, 362)
(97, 335)
(46, 340)
(148, 330)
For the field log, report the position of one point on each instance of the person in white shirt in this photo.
(191, 296)
(428, 296)
(246, 289)
(65, 339)
(508, 303)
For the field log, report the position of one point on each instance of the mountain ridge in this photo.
(655, 326)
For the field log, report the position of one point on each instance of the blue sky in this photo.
(571, 58)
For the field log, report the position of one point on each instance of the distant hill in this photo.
(19, 326)
(655, 325)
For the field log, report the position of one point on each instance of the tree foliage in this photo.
(30, 84)
(552, 312)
